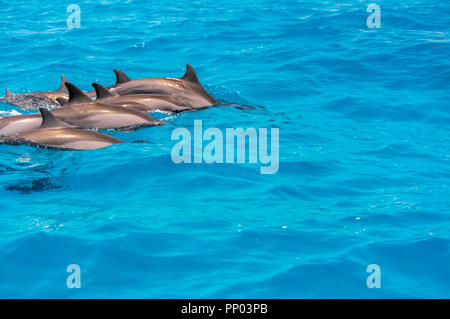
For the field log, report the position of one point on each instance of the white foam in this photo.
(9, 113)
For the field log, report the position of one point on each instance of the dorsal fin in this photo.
(121, 77)
(50, 121)
(101, 91)
(190, 75)
(8, 93)
(76, 95)
(62, 87)
(62, 101)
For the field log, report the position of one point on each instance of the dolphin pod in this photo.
(50, 99)
(142, 102)
(185, 92)
(81, 112)
(54, 133)
(124, 104)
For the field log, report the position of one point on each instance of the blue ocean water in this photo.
(364, 178)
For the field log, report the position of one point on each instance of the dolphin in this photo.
(12, 125)
(141, 102)
(81, 112)
(54, 133)
(32, 100)
(187, 88)
(85, 113)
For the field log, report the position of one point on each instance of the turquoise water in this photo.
(364, 153)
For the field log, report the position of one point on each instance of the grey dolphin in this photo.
(81, 112)
(85, 113)
(187, 88)
(33, 100)
(54, 133)
(141, 102)
(12, 125)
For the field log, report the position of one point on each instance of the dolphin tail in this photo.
(121, 77)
